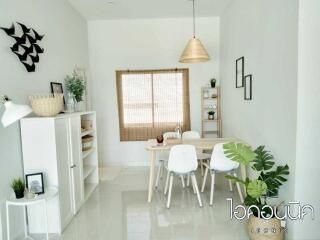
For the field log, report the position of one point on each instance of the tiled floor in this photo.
(118, 210)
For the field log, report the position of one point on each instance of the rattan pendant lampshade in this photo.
(194, 51)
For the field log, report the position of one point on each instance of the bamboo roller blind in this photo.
(151, 102)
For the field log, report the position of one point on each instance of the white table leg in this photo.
(46, 217)
(151, 177)
(8, 221)
(25, 222)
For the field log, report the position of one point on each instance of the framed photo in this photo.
(240, 72)
(57, 88)
(34, 182)
(248, 87)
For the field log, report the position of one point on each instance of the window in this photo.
(151, 102)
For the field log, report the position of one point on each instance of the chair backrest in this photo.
(170, 135)
(220, 162)
(190, 135)
(182, 159)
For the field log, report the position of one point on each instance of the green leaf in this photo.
(235, 179)
(256, 188)
(262, 161)
(239, 152)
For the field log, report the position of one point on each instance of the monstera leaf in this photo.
(262, 161)
(256, 188)
(239, 152)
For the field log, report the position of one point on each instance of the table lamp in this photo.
(13, 112)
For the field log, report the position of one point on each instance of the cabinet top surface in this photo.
(61, 115)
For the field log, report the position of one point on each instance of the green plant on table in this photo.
(75, 85)
(18, 185)
(211, 113)
(270, 178)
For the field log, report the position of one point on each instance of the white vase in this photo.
(80, 106)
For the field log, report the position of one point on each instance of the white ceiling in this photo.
(129, 9)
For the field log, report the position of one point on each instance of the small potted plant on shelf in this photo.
(76, 86)
(260, 190)
(18, 187)
(213, 82)
(211, 115)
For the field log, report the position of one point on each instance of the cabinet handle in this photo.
(73, 166)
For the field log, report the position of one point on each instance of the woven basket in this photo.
(47, 105)
(260, 229)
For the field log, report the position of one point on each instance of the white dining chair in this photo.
(163, 158)
(220, 163)
(182, 162)
(200, 155)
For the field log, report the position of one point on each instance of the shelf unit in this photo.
(90, 172)
(210, 128)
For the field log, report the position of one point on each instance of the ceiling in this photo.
(130, 9)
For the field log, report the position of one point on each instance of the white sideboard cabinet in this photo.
(53, 146)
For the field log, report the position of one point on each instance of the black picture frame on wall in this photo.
(240, 72)
(57, 88)
(34, 183)
(248, 87)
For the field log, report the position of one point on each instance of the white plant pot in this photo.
(80, 106)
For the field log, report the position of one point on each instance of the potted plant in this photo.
(76, 86)
(211, 115)
(18, 187)
(213, 82)
(264, 223)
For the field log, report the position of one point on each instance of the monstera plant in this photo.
(261, 188)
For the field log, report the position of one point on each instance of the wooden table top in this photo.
(202, 143)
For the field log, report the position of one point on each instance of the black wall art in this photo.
(248, 87)
(26, 46)
(240, 72)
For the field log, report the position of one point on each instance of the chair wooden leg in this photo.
(170, 191)
(167, 183)
(182, 181)
(201, 166)
(239, 189)
(204, 179)
(212, 188)
(159, 173)
(230, 184)
(188, 180)
(194, 180)
(193, 187)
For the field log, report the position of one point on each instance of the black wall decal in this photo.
(26, 47)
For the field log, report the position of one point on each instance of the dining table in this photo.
(205, 144)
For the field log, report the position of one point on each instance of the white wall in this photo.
(142, 44)
(265, 33)
(65, 45)
(308, 128)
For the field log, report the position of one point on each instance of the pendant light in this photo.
(194, 51)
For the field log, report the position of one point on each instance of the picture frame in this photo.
(34, 183)
(240, 72)
(57, 88)
(248, 87)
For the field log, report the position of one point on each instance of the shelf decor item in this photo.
(213, 82)
(194, 52)
(18, 187)
(240, 72)
(47, 105)
(160, 139)
(248, 87)
(211, 115)
(260, 189)
(76, 85)
(34, 183)
(57, 88)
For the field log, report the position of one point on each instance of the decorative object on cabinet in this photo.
(47, 105)
(87, 142)
(73, 171)
(75, 84)
(160, 139)
(240, 72)
(194, 52)
(211, 115)
(18, 187)
(26, 47)
(57, 88)
(210, 102)
(213, 82)
(248, 87)
(34, 183)
(71, 103)
(13, 112)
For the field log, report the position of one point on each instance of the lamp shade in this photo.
(14, 112)
(194, 52)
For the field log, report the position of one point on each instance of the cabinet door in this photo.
(64, 171)
(76, 156)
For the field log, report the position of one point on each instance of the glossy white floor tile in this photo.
(118, 210)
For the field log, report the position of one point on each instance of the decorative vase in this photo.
(79, 106)
(19, 194)
(262, 229)
(71, 103)
(211, 116)
(213, 83)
